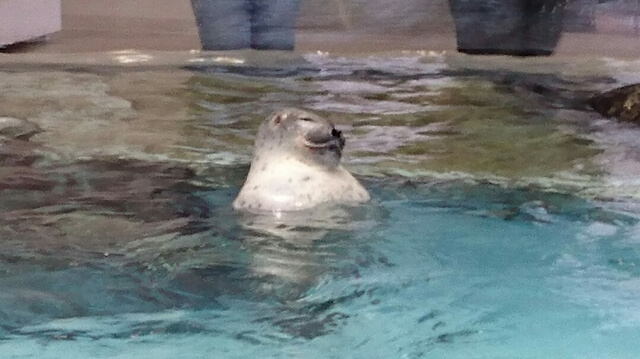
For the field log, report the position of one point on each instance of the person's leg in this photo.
(273, 24)
(223, 24)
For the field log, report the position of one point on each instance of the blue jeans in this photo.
(241, 24)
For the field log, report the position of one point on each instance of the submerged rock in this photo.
(96, 203)
(622, 103)
(15, 128)
(18, 153)
(15, 147)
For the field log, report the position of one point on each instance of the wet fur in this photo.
(293, 170)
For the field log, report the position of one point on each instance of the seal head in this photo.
(296, 165)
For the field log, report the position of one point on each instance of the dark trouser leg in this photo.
(223, 24)
(273, 24)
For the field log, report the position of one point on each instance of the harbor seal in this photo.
(296, 166)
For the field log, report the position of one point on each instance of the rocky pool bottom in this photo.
(505, 220)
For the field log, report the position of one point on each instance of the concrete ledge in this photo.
(24, 20)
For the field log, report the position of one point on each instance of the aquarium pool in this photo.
(505, 220)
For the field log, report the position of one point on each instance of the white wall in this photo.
(23, 20)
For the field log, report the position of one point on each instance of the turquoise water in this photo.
(504, 224)
(442, 273)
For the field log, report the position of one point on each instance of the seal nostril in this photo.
(335, 133)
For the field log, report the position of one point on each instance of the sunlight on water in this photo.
(504, 221)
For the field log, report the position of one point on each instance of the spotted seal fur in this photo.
(296, 166)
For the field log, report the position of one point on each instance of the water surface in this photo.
(505, 220)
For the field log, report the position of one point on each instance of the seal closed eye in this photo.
(296, 165)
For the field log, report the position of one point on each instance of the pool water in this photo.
(505, 219)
